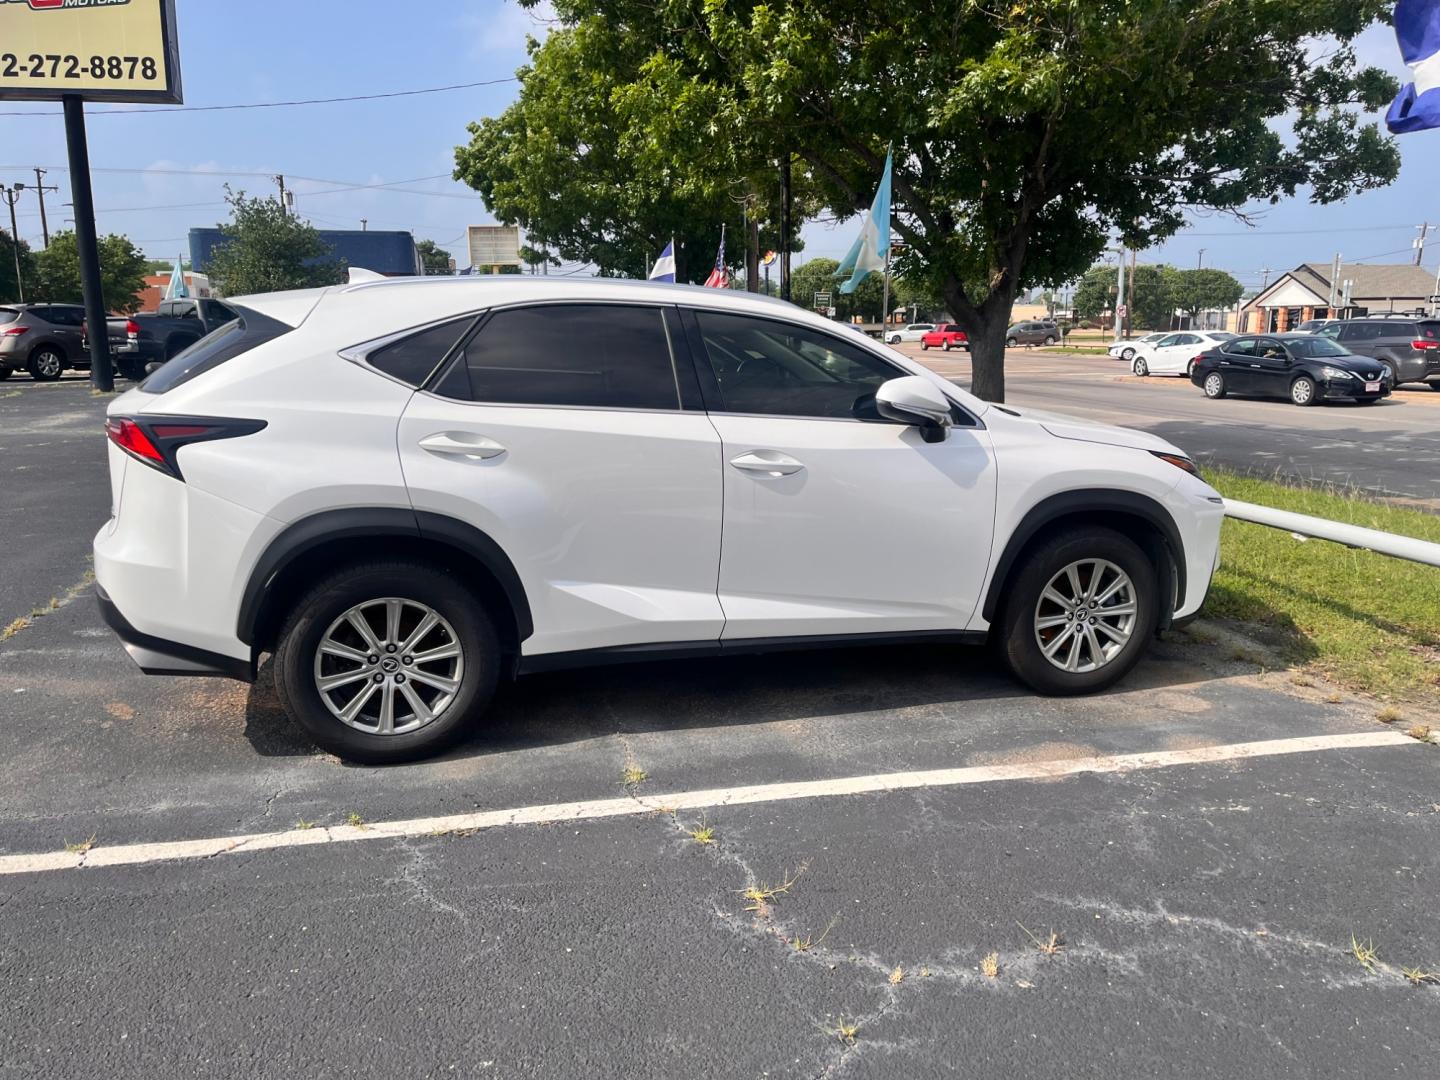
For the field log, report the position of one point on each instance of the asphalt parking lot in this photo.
(417, 921)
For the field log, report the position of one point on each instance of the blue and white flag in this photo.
(871, 247)
(1417, 29)
(176, 290)
(664, 268)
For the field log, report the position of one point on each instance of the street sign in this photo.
(494, 245)
(99, 50)
(1122, 311)
(822, 300)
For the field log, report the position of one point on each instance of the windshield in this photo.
(1316, 346)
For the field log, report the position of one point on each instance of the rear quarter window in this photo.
(249, 330)
(8, 315)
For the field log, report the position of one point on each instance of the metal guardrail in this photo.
(1354, 536)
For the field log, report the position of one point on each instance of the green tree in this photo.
(122, 272)
(1200, 290)
(535, 258)
(1154, 302)
(266, 249)
(1021, 144)
(9, 292)
(434, 258)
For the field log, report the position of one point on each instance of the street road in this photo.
(1391, 448)
(1204, 900)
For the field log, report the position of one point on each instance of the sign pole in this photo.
(102, 376)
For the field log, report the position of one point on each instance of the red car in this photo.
(945, 336)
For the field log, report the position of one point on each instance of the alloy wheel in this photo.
(389, 666)
(49, 364)
(1086, 615)
(1213, 385)
(1301, 391)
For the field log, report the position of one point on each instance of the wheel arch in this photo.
(1140, 517)
(317, 544)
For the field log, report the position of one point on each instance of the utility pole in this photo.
(785, 227)
(1130, 296)
(12, 194)
(102, 375)
(1200, 259)
(280, 179)
(1119, 292)
(40, 190)
(364, 224)
(1419, 242)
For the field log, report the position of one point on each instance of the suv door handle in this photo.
(461, 444)
(769, 462)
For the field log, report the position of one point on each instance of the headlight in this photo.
(1180, 461)
(1336, 373)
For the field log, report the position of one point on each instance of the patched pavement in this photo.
(1206, 912)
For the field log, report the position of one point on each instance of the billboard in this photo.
(494, 245)
(100, 50)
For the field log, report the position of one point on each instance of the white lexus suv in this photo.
(406, 490)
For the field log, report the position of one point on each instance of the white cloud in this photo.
(505, 26)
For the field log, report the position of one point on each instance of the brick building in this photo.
(1306, 293)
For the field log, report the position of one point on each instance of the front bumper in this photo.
(1352, 390)
(156, 656)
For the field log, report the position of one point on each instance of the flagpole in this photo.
(885, 292)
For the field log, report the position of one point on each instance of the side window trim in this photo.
(360, 354)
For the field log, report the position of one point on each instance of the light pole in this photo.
(12, 195)
(1119, 293)
(1200, 259)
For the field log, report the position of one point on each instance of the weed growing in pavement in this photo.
(82, 847)
(1389, 714)
(1302, 680)
(14, 628)
(1421, 977)
(355, 820)
(701, 833)
(633, 775)
(1333, 698)
(1050, 945)
(846, 1031)
(990, 966)
(1365, 953)
(805, 944)
(304, 825)
(897, 976)
(761, 893)
(1422, 732)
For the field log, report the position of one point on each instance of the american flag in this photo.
(719, 278)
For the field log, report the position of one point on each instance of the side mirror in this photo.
(915, 400)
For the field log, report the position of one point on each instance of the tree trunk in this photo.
(985, 328)
(752, 252)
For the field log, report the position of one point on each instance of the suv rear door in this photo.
(558, 431)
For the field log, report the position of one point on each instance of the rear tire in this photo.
(1050, 339)
(1079, 662)
(924, 347)
(1140, 367)
(46, 364)
(1127, 355)
(1214, 386)
(1304, 392)
(5, 373)
(321, 616)
(948, 345)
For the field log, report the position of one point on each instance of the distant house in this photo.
(390, 253)
(1306, 293)
(156, 284)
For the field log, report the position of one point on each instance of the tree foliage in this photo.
(1159, 292)
(57, 272)
(9, 292)
(434, 258)
(266, 248)
(1204, 289)
(1025, 134)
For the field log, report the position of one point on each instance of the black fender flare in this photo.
(1093, 501)
(363, 522)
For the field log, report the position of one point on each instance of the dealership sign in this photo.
(99, 50)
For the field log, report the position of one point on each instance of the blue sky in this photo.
(273, 50)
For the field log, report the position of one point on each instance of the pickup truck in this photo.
(152, 337)
(945, 336)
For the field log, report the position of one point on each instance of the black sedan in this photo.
(1302, 367)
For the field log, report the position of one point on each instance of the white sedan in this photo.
(914, 332)
(1174, 353)
(1125, 350)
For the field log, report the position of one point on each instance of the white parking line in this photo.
(138, 854)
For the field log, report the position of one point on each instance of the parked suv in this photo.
(1409, 348)
(407, 490)
(945, 336)
(43, 339)
(1036, 332)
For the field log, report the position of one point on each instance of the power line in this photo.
(284, 104)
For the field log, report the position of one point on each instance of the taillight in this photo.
(156, 440)
(16, 331)
(1425, 344)
(132, 328)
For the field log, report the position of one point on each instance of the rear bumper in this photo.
(156, 656)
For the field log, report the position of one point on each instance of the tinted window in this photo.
(412, 359)
(1361, 331)
(600, 355)
(66, 316)
(1173, 339)
(1269, 347)
(1242, 347)
(780, 369)
(215, 348)
(1428, 330)
(1332, 331)
(217, 313)
(1316, 346)
(8, 315)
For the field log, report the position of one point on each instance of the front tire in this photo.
(46, 364)
(1303, 391)
(895, 340)
(1011, 342)
(1080, 612)
(5, 373)
(412, 640)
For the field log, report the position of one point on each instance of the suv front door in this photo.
(836, 521)
(557, 430)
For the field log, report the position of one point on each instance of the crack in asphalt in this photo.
(413, 877)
